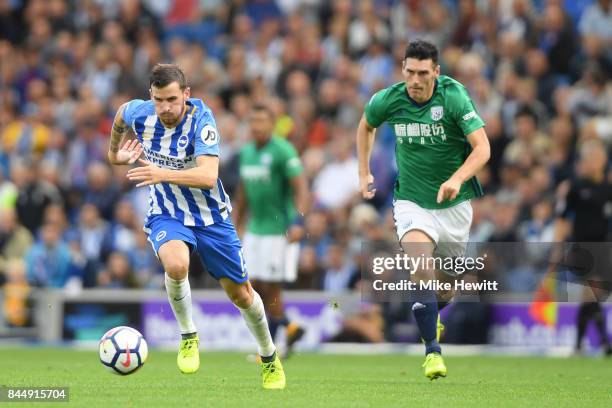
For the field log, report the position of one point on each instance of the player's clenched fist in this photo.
(366, 185)
(449, 190)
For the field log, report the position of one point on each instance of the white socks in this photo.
(255, 318)
(179, 295)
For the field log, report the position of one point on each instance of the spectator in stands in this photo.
(338, 272)
(147, 269)
(336, 185)
(317, 233)
(8, 192)
(49, 262)
(529, 145)
(101, 190)
(122, 231)
(16, 294)
(35, 195)
(310, 271)
(87, 147)
(118, 273)
(557, 38)
(592, 97)
(15, 239)
(597, 20)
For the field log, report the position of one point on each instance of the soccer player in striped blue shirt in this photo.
(188, 208)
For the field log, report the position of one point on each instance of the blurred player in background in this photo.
(583, 219)
(273, 191)
(188, 209)
(441, 144)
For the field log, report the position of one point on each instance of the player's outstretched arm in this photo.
(365, 142)
(131, 149)
(301, 198)
(204, 175)
(481, 152)
(301, 201)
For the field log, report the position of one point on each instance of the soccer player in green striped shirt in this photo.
(440, 145)
(273, 190)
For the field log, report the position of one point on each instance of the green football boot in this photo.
(188, 359)
(273, 374)
(434, 366)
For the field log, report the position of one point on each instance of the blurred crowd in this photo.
(537, 70)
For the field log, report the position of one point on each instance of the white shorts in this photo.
(449, 228)
(270, 258)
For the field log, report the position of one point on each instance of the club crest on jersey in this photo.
(183, 141)
(266, 159)
(437, 112)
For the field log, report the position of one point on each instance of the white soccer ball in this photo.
(123, 350)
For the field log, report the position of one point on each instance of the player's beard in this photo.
(174, 120)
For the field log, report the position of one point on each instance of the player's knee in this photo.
(176, 268)
(241, 297)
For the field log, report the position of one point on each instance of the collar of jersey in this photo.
(260, 148)
(420, 105)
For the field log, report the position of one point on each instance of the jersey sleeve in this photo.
(375, 109)
(465, 112)
(206, 136)
(129, 111)
(291, 162)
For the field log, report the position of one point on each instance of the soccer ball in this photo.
(123, 350)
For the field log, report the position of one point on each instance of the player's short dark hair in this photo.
(422, 50)
(163, 75)
(262, 107)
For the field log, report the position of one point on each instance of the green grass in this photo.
(227, 379)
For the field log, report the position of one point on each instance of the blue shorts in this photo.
(218, 244)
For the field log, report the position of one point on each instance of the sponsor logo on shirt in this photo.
(424, 132)
(255, 172)
(169, 162)
(208, 134)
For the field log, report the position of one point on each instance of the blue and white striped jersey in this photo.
(177, 148)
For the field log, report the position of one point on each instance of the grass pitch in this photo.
(314, 380)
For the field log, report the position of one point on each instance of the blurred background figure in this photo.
(584, 215)
(49, 261)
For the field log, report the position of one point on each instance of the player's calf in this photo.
(425, 309)
(252, 310)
